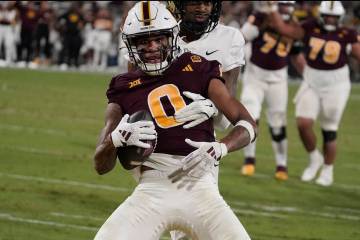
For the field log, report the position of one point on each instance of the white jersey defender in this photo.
(229, 53)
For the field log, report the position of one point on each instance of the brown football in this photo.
(133, 156)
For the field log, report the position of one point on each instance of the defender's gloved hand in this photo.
(200, 110)
(199, 162)
(133, 134)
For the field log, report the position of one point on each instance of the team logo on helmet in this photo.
(145, 19)
(331, 9)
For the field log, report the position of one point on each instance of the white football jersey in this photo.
(224, 44)
(8, 15)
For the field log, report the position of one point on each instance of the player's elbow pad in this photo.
(249, 127)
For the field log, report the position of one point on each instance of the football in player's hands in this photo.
(133, 156)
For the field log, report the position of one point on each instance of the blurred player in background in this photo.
(265, 79)
(162, 75)
(42, 35)
(326, 85)
(102, 34)
(71, 23)
(29, 16)
(8, 20)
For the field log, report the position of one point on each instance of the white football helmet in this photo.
(331, 8)
(148, 18)
(290, 7)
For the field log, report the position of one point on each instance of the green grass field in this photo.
(49, 125)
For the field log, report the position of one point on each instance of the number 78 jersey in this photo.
(326, 50)
(163, 95)
(269, 49)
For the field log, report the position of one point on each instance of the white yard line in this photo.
(35, 150)
(290, 209)
(22, 112)
(335, 185)
(265, 207)
(346, 186)
(258, 213)
(65, 215)
(65, 182)
(48, 131)
(349, 210)
(9, 217)
(40, 130)
(265, 210)
(44, 152)
(333, 216)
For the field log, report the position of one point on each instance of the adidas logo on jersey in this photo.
(188, 68)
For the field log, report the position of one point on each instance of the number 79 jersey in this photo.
(326, 50)
(163, 95)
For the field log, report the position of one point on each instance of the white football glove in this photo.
(133, 134)
(200, 110)
(199, 162)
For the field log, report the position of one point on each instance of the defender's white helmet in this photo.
(290, 8)
(149, 18)
(331, 8)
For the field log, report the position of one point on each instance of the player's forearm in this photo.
(238, 138)
(231, 78)
(289, 30)
(105, 155)
(355, 52)
(245, 130)
(299, 63)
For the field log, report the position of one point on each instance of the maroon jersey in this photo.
(326, 50)
(270, 50)
(162, 96)
(29, 18)
(45, 16)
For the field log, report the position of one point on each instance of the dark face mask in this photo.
(197, 28)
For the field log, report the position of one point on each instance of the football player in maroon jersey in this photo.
(176, 179)
(326, 84)
(265, 80)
